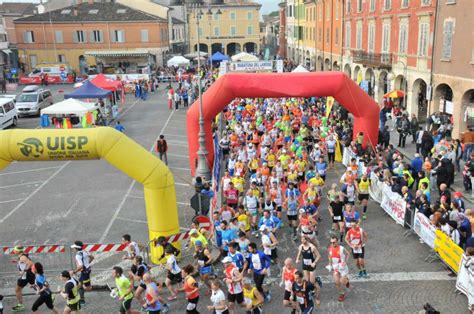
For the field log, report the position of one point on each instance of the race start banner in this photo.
(393, 204)
(425, 229)
(447, 250)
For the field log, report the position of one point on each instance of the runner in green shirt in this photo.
(124, 290)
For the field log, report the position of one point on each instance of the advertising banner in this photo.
(393, 204)
(376, 188)
(447, 250)
(425, 229)
(252, 66)
(465, 279)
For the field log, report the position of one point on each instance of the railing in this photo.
(383, 60)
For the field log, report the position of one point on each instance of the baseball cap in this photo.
(18, 249)
(198, 243)
(77, 245)
(192, 231)
(263, 228)
(227, 259)
(458, 194)
(302, 211)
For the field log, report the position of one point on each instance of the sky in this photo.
(268, 5)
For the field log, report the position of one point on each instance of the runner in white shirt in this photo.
(218, 299)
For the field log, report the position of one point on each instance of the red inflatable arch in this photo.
(275, 85)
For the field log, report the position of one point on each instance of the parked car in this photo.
(8, 113)
(32, 100)
(8, 96)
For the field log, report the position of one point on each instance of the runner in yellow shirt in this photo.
(239, 183)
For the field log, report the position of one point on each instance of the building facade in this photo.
(282, 45)
(230, 28)
(309, 34)
(270, 30)
(328, 35)
(291, 40)
(93, 34)
(453, 63)
(387, 45)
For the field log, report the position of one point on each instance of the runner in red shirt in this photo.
(191, 289)
(356, 237)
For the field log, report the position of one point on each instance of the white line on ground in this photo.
(182, 203)
(120, 206)
(73, 205)
(176, 144)
(34, 192)
(135, 196)
(182, 184)
(133, 220)
(19, 184)
(11, 201)
(31, 170)
(391, 277)
(178, 135)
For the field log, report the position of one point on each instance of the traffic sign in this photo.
(203, 221)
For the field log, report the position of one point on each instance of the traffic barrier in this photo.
(448, 251)
(104, 247)
(40, 249)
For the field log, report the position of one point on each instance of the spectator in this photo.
(162, 149)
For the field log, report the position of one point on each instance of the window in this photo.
(217, 31)
(61, 58)
(233, 16)
(327, 35)
(359, 36)
(320, 35)
(425, 2)
(405, 4)
(450, 1)
(320, 12)
(336, 37)
(348, 35)
(118, 36)
(233, 31)
(66, 11)
(94, 11)
(58, 37)
(387, 5)
(144, 35)
(29, 37)
(403, 39)
(216, 16)
(328, 12)
(448, 30)
(290, 10)
(96, 36)
(249, 30)
(359, 5)
(200, 31)
(121, 11)
(249, 16)
(386, 38)
(423, 40)
(78, 37)
(33, 61)
(338, 5)
(348, 6)
(371, 39)
(372, 6)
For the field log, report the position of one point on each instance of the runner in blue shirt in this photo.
(269, 220)
(237, 257)
(260, 265)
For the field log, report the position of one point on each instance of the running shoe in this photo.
(348, 285)
(341, 298)
(172, 297)
(18, 308)
(166, 308)
(364, 274)
(82, 304)
(364, 216)
(320, 283)
(360, 275)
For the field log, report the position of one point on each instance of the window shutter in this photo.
(25, 37)
(448, 39)
(74, 36)
(112, 36)
(84, 35)
(123, 35)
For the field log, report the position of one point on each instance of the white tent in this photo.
(195, 54)
(300, 69)
(243, 56)
(70, 106)
(177, 61)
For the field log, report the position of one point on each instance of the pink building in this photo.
(282, 31)
(388, 45)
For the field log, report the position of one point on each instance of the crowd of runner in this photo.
(277, 155)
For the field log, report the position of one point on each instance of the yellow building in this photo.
(229, 28)
(310, 34)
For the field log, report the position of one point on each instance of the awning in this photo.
(119, 53)
(7, 51)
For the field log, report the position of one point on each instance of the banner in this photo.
(425, 229)
(465, 279)
(376, 188)
(393, 204)
(329, 104)
(252, 66)
(338, 156)
(447, 250)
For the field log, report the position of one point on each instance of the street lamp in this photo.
(202, 169)
(210, 13)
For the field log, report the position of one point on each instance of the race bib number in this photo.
(201, 263)
(300, 300)
(358, 250)
(248, 301)
(307, 261)
(337, 217)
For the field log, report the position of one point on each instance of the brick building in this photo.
(110, 36)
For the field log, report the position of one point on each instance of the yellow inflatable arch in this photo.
(118, 150)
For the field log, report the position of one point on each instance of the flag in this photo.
(329, 103)
(338, 156)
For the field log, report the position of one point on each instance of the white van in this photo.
(32, 100)
(8, 113)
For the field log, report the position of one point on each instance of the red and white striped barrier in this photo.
(104, 247)
(40, 249)
(178, 237)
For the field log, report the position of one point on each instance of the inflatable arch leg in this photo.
(118, 150)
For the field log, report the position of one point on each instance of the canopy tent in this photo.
(177, 61)
(70, 106)
(244, 56)
(300, 69)
(195, 54)
(88, 90)
(105, 82)
(394, 94)
(218, 57)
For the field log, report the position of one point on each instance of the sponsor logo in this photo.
(31, 147)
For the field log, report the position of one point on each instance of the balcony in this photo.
(381, 60)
